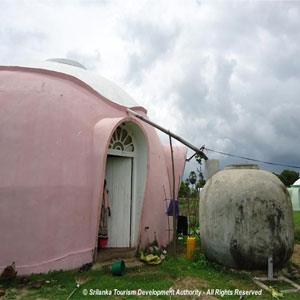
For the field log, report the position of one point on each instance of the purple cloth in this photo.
(170, 209)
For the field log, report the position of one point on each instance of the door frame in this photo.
(103, 133)
(133, 204)
(131, 157)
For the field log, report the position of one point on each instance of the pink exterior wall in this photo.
(54, 135)
(179, 156)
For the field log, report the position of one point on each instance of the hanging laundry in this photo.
(170, 209)
(182, 225)
(105, 212)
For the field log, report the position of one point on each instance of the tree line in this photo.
(190, 188)
(288, 177)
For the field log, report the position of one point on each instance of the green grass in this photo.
(179, 271)
(174, 272)
(297, 226)
(58, 285)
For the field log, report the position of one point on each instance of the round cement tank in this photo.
(245, 216)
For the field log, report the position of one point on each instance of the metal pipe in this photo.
(168, 132)
(174, 201)
(270, 267)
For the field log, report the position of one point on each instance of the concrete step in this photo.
(106, 254)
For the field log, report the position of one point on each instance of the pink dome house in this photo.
(63, 130)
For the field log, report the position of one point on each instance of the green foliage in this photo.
(192, 177)
(200, 184)
(297, 226)
(194, 192)
(201, 181)
(184, 190)
(187, 182)
(288, 177)
(196, 180)
(201, 262)
(198, 159)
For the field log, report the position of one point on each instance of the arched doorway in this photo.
(126, 174)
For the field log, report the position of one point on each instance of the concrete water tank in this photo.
(245, 216)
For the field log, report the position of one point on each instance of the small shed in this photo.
(63, 131)
(294, 191)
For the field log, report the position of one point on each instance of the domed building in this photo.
(63, 131)
(294, 191)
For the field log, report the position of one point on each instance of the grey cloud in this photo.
(285, 63)
(224, 73)
(250, 103)
(192, 89)
(207, 100)
(286, 120)
(152, 41)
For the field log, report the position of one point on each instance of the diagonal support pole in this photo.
(168, 132)
(174, 202)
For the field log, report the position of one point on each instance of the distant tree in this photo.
(288, 177)
(184, 190)
(194, 193)
(200, 184)
(192, 177)
(197, 182)
(187, 182)
(201, 180)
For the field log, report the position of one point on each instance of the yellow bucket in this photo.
(191, 247)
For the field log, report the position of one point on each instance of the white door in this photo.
(118, 180)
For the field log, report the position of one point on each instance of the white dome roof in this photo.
(297, 182)
(67, 61)
(103, 86)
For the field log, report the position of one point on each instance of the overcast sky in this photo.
(224, 74)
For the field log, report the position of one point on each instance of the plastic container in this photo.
(118, 268)
(191, 247)
(102, 243)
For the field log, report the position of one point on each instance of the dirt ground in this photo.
(296, 255)
(192, 283)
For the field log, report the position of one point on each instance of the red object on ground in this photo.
(102, 243)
